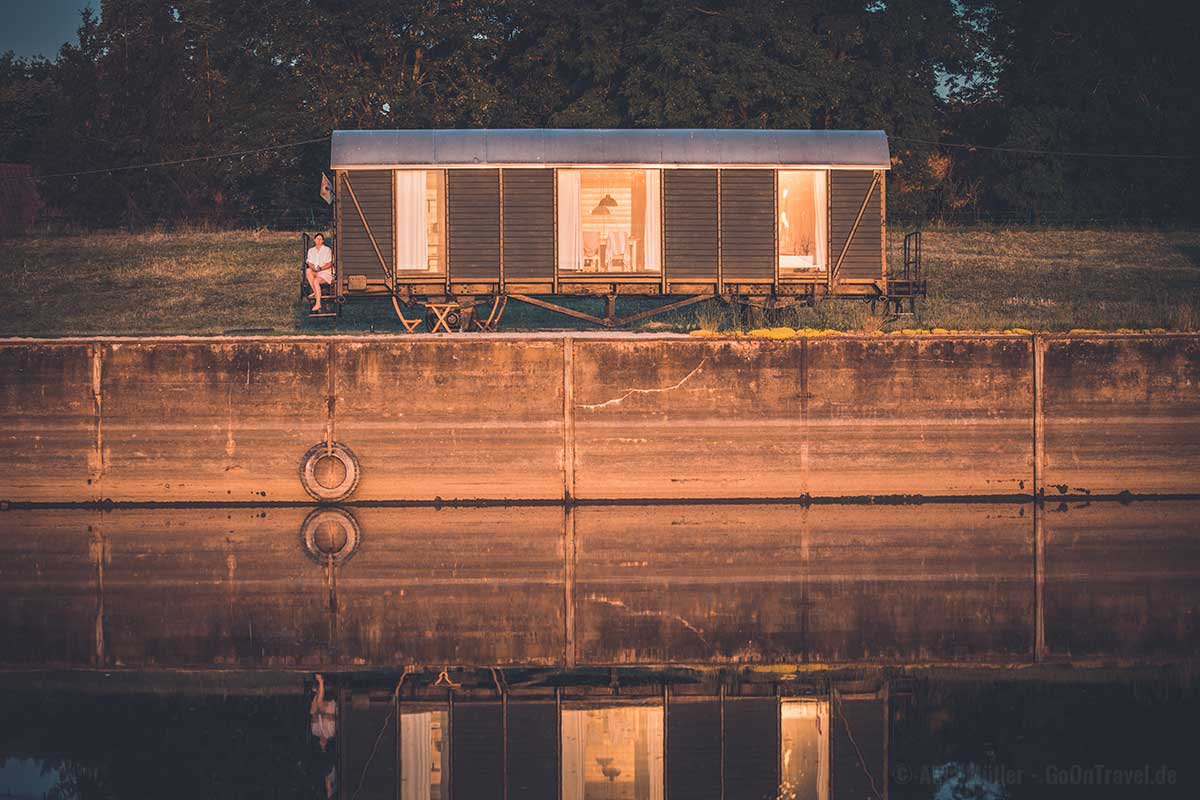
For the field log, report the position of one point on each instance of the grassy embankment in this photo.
(1045, 280)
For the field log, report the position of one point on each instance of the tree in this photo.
(1092, 77)
(155, 81)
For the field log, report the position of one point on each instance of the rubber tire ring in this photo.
(308, 532)
(320, 492)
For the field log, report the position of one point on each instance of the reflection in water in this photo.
(974, 734)
(602, 585)
(791, 650)
(323, 713)
(804, 761)
(612, 753)
(422, 755)
(330, 535)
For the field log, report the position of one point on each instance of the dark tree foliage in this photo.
(108, 746)
(1092, 76)
(153, 81)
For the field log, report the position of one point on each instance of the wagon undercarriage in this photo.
(466, 308)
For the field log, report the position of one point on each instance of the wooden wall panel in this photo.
(529, 224)
(748, 225)
(856, 749)
(373, 190)
(751, 748)
(532, 751)
(864, 258)
(473, 219)
(694, 750)
(690, 215)
(477, 751)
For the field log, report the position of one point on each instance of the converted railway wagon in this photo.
(463, 220)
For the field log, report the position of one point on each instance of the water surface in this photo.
(748, 651)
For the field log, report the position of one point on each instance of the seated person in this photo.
(318, 268)
(323, 716)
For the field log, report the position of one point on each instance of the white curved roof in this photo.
(546, 147)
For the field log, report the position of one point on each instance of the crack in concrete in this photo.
(660, 614)
(632, 392)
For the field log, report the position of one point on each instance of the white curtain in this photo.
(804, 725)
(653, 244)
(416, 756)
(655, 745)
(412, 232)
(821, 204)
(823, 751)
(574, 741)
(570, 220)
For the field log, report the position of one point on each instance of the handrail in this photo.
(912, 256)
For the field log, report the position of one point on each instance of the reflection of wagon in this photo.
(459, 222)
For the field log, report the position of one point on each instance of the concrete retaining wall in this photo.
(601, 417)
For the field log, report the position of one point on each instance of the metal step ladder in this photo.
(907, 286)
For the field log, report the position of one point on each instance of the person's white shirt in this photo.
(319, 256)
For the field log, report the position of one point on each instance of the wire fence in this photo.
(321, 219)
(314, 220)
(1032, 219)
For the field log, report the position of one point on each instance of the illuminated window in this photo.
(614, 752)
(420, 234)
(804, 745)
(423, 756)
(802, 220)
(609, 220)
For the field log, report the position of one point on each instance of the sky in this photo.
(40, 27)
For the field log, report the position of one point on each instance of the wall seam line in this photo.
(330, 395)
(568, 420)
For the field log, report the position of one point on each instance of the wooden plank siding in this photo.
(529, 225)
(751, 747)
(863, 258)
(690, 217)
(473, 221)
(532, 751)
(477, 751)
(373, 190)
(693, 769)
(857, 759)
(748, 225)
(709, 225)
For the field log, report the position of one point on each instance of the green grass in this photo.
(153, 283)
(1034, 279)
(1062, 279)
(979, 279)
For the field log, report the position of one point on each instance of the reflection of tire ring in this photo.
(330, 533)
(329, 472)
